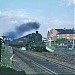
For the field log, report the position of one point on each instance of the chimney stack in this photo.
(36, 32)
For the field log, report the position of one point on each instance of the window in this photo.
(68, 37)
(67, 34)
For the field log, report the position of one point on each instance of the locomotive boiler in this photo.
(31, 41)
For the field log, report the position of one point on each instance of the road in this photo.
(50, 67)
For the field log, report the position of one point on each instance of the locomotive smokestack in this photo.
(36, 32)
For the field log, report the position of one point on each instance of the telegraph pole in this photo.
(73, 39)
(0, 48)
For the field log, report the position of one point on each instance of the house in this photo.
(54, 34)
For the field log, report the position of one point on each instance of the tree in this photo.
(61, 40)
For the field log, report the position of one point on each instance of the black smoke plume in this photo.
(27, 27)
(11, 34)
(19, 30)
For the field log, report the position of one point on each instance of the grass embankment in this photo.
(6, 63)
(9, 71)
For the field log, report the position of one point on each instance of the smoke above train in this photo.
(21, 29)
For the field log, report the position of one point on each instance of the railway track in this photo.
(37, 67)
(50, 58)
(49, 67)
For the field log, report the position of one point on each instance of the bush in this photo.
(9, 71)
(51, 47)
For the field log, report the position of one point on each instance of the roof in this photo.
(66, 31)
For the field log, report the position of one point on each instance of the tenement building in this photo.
(54, 34)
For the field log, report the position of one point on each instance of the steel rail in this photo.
(40, 66)
(61, 65)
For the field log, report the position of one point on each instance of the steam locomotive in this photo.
(31, 42)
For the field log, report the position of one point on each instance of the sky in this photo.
(49, 13)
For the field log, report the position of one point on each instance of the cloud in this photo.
(68, 2)
(10, 19)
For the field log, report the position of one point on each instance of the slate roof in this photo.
(66, 31)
